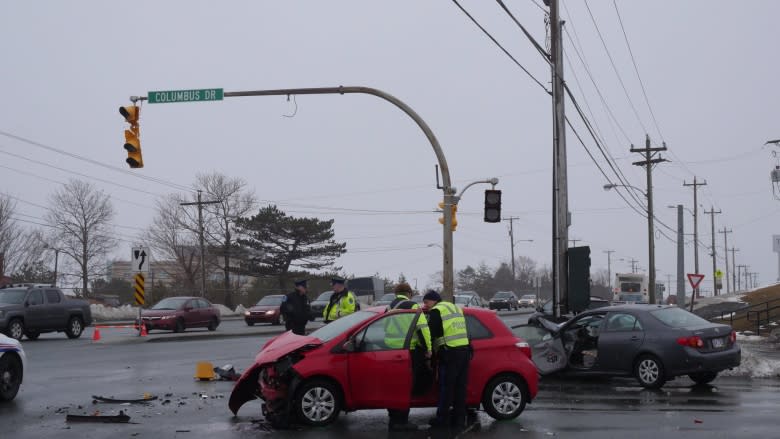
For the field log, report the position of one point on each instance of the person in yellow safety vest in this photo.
(453, 353)
(342, 302)
(420, 346)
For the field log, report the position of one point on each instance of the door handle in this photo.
(635, 338)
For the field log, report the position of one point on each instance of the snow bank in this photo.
(755, 365)
(103, 313)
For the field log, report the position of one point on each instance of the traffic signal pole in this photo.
(449, 197)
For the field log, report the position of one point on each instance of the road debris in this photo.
(146, 399)
(121, 418)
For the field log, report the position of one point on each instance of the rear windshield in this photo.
(270, 301)
(503, 295)
(678, 318)
(529, 296)
(336, 328)
(630, 287)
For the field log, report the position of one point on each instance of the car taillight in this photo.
(733, 337)
(693, 341)
(524, 347)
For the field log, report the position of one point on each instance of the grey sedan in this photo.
(653, 343)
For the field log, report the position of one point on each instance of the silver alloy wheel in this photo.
(16, 329)
(507, 397)
(648, 371)
(318, 404)
(75, 327)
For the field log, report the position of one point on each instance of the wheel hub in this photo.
(507, 398)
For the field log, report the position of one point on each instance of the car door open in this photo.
(547, 349)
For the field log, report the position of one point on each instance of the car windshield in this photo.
(13, 297)
(270, 301)
(418, 298)
(678, 318)
(529, 297)
(462, 299)
(324, 297)
(337, 327)
(170, 304)
(387, 298)
(503, 295)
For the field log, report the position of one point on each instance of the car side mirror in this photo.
(26, 304)
(349, 345)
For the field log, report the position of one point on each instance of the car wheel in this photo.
(504, 397)
(318, 403)
(213, 323)
(32, 335)
(74, 328)
(179, 326)
(649, 372)
(250, 323)
(703, 377)
(10, 376)
(16, 329)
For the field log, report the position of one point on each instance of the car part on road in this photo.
(227, 373)
(204, 371)
(650, 372)
(121, 418)
(147, 398)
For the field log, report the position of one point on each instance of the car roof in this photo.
(632, 307)
(183, 297)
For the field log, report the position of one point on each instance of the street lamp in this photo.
(650, 235)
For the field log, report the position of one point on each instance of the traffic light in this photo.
(492, 206)
(454, 218)
(133, 136)
(578, 259)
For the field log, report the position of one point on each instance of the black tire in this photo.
(649, 371)
(75, 327)
(505, 397)
(179, 327)
(15, 329)
(10, 376)
(32, 335)
(213, 323)
(318, 403)
(703, 377)
(250, 323)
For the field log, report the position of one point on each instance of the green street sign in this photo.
(171, 96)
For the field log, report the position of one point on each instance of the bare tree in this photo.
(170, 238)
(235, 201)
(80, 215)
(18, 247)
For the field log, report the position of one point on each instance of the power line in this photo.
(474, 20)
(95, 162)
(534, 43)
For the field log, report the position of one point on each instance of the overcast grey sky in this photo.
(709, 67)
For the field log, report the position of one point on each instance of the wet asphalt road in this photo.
(63, 374)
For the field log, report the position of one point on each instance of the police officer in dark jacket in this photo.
(296, 309)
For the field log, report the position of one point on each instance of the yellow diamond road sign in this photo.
(140, 297)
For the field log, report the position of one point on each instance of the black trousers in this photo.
(296, 327)
(453, 379)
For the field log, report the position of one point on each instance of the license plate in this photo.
(718, 342)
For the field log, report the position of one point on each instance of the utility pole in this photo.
(633, 264)
(668, 286)
(511, 220)
(648, 153)
(726, 253)
(574, 242)
(734, 274)
(200, 205)
(560, 202)
(695, 185)
(680, 256)
(712, 214)
(609, 268)
(739, 276)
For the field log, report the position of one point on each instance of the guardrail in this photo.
(759, 314)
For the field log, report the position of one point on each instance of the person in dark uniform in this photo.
(296, 309)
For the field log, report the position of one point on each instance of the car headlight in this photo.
(247, 313)
(270, 313)
(167, 317)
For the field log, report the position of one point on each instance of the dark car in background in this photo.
(317, 306)
(31, 309)
(179, 313)
(504, 300)
(653, 343)
(468, 301)
(267, 310)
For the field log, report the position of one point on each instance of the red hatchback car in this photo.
(178, 313)
(346, 366)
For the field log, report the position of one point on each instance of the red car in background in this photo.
(346, 366)
(267, 310)
(179, 313)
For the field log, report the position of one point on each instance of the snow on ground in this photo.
(755, 364)
(104, 313)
